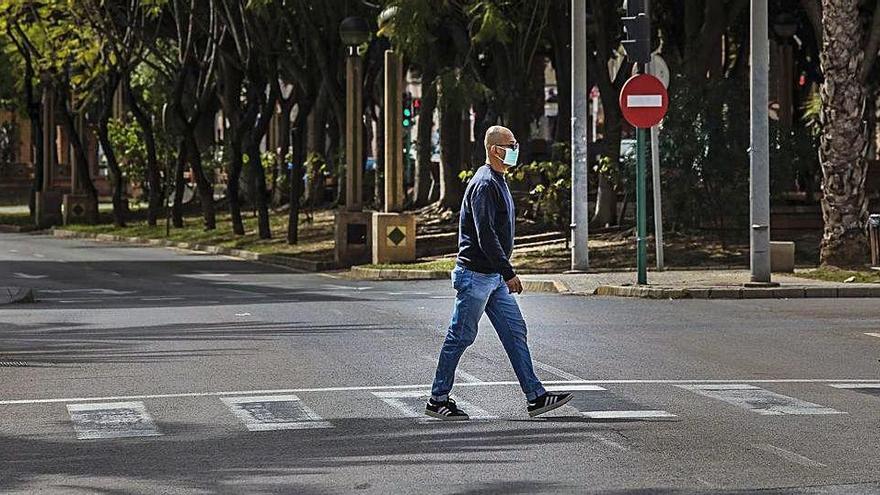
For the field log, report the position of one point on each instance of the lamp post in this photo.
(354, 31)
(352, 225)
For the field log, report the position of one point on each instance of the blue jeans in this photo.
(478, 293)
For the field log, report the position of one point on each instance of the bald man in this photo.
(485, 282)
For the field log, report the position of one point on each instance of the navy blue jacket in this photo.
(486, 223)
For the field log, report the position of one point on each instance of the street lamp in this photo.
(352, 224)
(353, 31)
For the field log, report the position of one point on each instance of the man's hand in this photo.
(514, 285)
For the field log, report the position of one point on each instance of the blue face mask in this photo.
(511, 156)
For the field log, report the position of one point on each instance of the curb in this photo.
(13, 295)
(733, 292)
(529, 285)
(364, 273)
(16, 229)
(270, 259)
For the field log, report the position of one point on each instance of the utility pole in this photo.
(655, 172)
(759, 158)
(580, 259)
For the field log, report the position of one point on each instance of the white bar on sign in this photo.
(644, 101)
(111, 420)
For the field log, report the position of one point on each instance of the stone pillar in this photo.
(354, 146)
(48, 201)
(394, 232)
(353, 229)
(394, 194)
(79, 207)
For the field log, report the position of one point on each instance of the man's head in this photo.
(502, 150)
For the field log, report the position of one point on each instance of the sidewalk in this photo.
(708, 284)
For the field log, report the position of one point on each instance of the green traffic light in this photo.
(406, 122)
(406, 112)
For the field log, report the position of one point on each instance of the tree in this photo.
(848, 55)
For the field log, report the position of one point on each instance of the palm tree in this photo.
(846, 58)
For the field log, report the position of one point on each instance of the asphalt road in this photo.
(145, 370)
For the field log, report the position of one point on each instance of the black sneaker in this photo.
(446, 411)
(548, 402)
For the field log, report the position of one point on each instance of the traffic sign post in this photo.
(643, 101)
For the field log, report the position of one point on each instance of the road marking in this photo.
(38, 255)
(162, 298)
(556, 371)
(595, 402)
(855, 385)
(274, 412)
(13, 250)
(412, 404)
(28, 276)
(574, 387)
(758, 400)
(790, 456)
(111, 420)
(873, 334)
(646, 414)
(10, 402)
(103, 292)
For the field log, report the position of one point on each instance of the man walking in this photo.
(484, 281)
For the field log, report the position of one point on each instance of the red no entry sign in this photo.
(644, 101)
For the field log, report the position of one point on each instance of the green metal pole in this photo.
(641, 212)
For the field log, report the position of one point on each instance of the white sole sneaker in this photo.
(550, 407)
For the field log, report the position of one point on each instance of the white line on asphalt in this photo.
(111, 420)
(789, 455)
(28, 276)
(574, 387)
(556, 371)
(162, 298)
(11, 402)
(872, 334)
(38, 255)
(627, 414)
(274, 412)
(855, 385)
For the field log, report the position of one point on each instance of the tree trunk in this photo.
(179, 185)
(118, 183)
(317, 136)
(844, 137)
(450, 156)
(83, 173)
(424, 146)
(154, 178)
(283, 150)
(33, 111)
(205, 188)
(297, 172)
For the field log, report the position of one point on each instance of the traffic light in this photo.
(416, 105)
(407, 110)
(638, 32)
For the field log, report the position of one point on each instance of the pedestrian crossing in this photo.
(104, 419)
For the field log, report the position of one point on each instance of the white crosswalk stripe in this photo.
(274, 412)
(111, 420)
(759, 400)
(411, 403)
